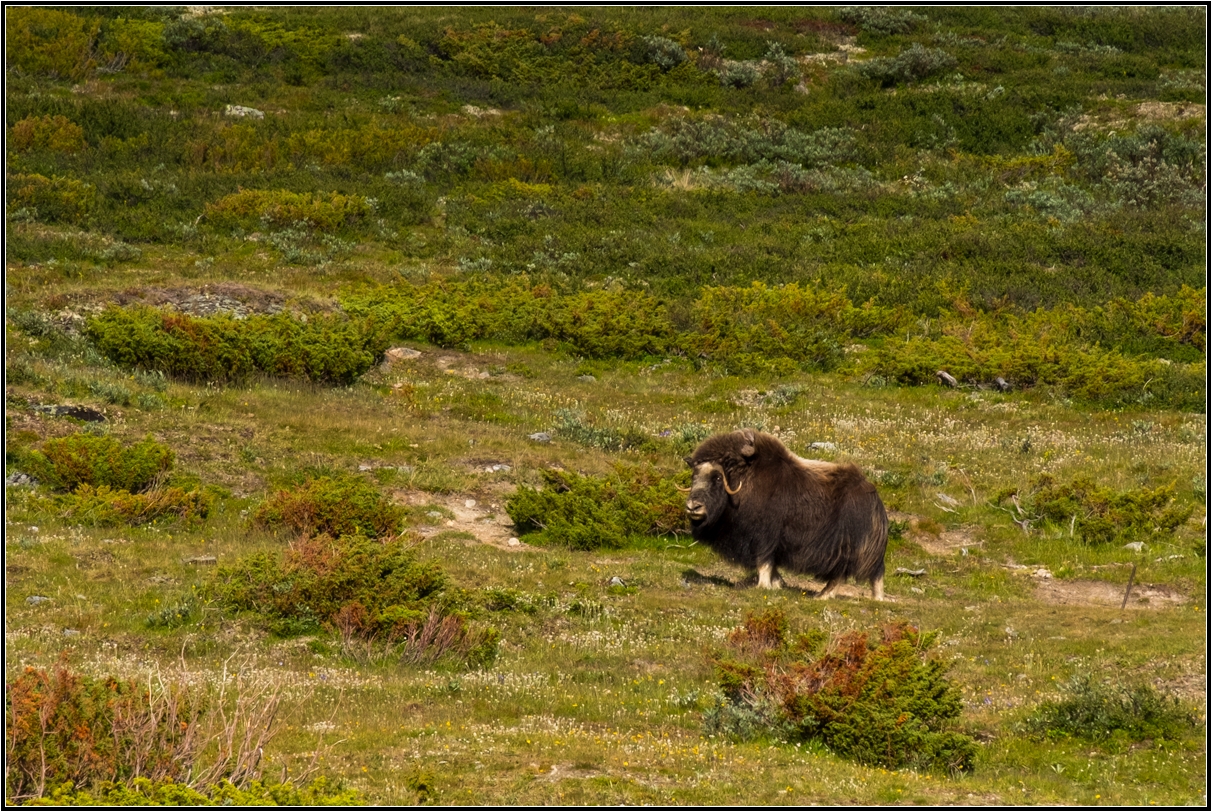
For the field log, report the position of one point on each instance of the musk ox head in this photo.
(716, 467)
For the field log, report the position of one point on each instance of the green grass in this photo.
(585, 236)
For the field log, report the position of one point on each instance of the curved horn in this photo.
(683, 490)
(730, 491)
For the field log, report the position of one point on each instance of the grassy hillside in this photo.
(351, 356)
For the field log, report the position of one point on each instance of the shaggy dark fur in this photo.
(810, 517)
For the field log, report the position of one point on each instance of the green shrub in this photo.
(252, 208)
(105, 506)
(362, 589)
(145, 792)
(67, 463)
(587, 513)
(1104, 516)
(760, 329)
(54, 199)
(909, 65)
(337, 506)
(880, 703)
(1102, 713)
(50, 42)
(51, 133)
(322, 348)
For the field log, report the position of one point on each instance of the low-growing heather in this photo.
(588, 513)
(91, 461)
(880, 702)
(1101, 515)
(323, 348)
(362, 590)
(251, 208)
(145, 792)
(336, 506)
(1102, 714)
(105, 506)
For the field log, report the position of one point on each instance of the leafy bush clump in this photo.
(1100, 713)
(880, 703)
(252, 208)
(589, 513)
(909, 65)
(52, 133)
(322, 348)
(761, 329)
(53, 199)
(1151, 350)
(1103, 515)
(365, 590)
(67, 463)
(336, 506)
(105, 506)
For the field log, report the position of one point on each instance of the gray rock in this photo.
(616, 581)
(586, 378)
(240, 111)
(541, 437)
(71, 632)
(19, 480)
(77, 412)
(823, 446)
(37, 600)
(201, 559)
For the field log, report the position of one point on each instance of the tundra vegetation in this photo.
(351, 354)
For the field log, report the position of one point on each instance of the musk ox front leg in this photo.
(768, 576)
(877, 588)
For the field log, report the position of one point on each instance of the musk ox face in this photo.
(710, 493)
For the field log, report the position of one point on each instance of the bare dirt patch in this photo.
(1104, 593)
(487, 521)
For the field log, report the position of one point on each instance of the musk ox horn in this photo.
(683, 490)
(730, 491)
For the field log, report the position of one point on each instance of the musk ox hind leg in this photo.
(830, 588)
(768, 576)
(877, 587)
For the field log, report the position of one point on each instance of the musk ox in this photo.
(758, 505)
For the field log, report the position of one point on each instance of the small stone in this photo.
(513, 542)
(586, 378)
(823, 446)
(469, 503)
(397, 354)
(71, 632)
(365, 467)
(201, 559)
(433, 514)
(35, 600)
(18, 480)
(616, 581)
(1041, 573)
(918, 591)
(541, 437)
(1135, 546)
(949, 501)
(240, 111)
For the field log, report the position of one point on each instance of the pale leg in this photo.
(877, 588)
(768, 577)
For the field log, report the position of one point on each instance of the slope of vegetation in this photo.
(351, 355)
